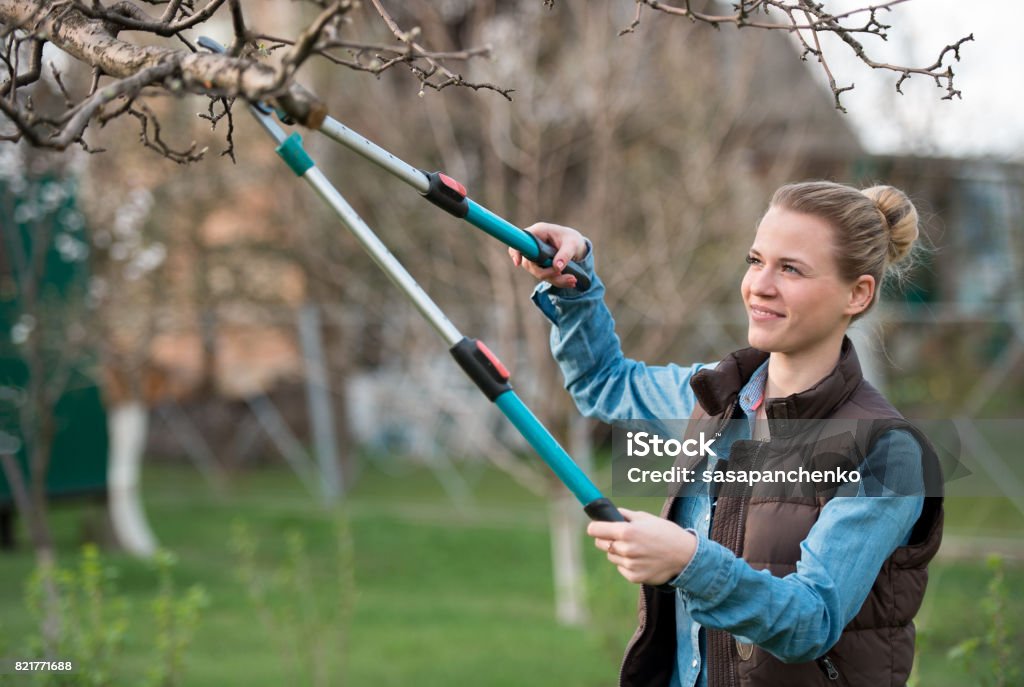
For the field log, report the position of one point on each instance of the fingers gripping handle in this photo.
(449, 195)
(545, 256)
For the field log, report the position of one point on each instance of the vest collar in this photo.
(717, 389)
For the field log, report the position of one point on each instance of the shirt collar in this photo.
(717, 389)
(752, 394)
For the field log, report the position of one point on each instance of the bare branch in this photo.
(69, 102)
(171, 12)
(34, 66)
(797, 16)
(305, 45)
(79, 117)
(89, 32)
(147, 118)
(238, 24)
(125, 15)
(434, 66)
(260, 67)
(937, 70)
(92, 42)
(215, 118)
(837, 91)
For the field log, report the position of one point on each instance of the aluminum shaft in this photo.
(374, 153)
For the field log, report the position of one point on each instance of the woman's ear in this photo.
(862, 293)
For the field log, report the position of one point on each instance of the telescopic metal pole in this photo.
(473, 356)
(290, 149)
(482, 366)
(444, 192)
(449, 195)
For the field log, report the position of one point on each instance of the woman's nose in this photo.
(763, 282)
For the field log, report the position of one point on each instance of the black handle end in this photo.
(546, 253)
(447, 194)
(582, 280)
(603, 510)
(482, 366)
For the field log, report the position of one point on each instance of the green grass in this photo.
(442, 595)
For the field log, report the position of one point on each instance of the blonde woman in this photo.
(741, 586)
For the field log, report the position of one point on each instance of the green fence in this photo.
(44, 276)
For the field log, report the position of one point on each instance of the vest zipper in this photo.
(731, 678)
(829, 668)
(741, 523)
(643, 597)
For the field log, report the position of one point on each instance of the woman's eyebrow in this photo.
(783, 259)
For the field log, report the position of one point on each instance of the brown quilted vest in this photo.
(765, 528)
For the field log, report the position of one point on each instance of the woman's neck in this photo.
(791, 373)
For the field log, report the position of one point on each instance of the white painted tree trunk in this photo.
(566, 522)
(866, 334)
(128, 424)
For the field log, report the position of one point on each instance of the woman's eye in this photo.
(751, 260)
(791, 269)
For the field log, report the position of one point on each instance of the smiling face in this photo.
(796, 301)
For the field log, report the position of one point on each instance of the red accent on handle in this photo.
(502, 370)
(453, 185)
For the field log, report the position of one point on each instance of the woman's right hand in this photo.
(570, 245)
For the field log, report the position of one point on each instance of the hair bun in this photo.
(900, 217)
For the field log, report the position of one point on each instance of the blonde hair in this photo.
(874, 229)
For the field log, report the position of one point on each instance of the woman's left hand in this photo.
(646, 549)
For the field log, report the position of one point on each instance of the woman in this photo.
(742, 586)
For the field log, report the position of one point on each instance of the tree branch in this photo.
(415, 50)
(125, 15)
(88, 31)
(815, 19)
(90, 40)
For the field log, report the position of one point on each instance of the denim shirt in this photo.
(797, 617)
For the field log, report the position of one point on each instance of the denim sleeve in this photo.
(799, 617)
(603, 382)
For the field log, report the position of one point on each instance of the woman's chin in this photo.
(760, 339)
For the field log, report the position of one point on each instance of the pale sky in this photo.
(989, 120)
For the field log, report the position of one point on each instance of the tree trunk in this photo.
(566, 520)
(42, 544)
(566, 552)
(128, 424)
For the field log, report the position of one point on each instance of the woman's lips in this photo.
(762, 314)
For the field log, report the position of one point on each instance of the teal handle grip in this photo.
(532, 248)
(502, 229)
(547, 448)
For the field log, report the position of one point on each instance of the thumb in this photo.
(632, 515)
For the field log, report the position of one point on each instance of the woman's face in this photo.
(794, 296)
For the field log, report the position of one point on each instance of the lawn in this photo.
(437, 595)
